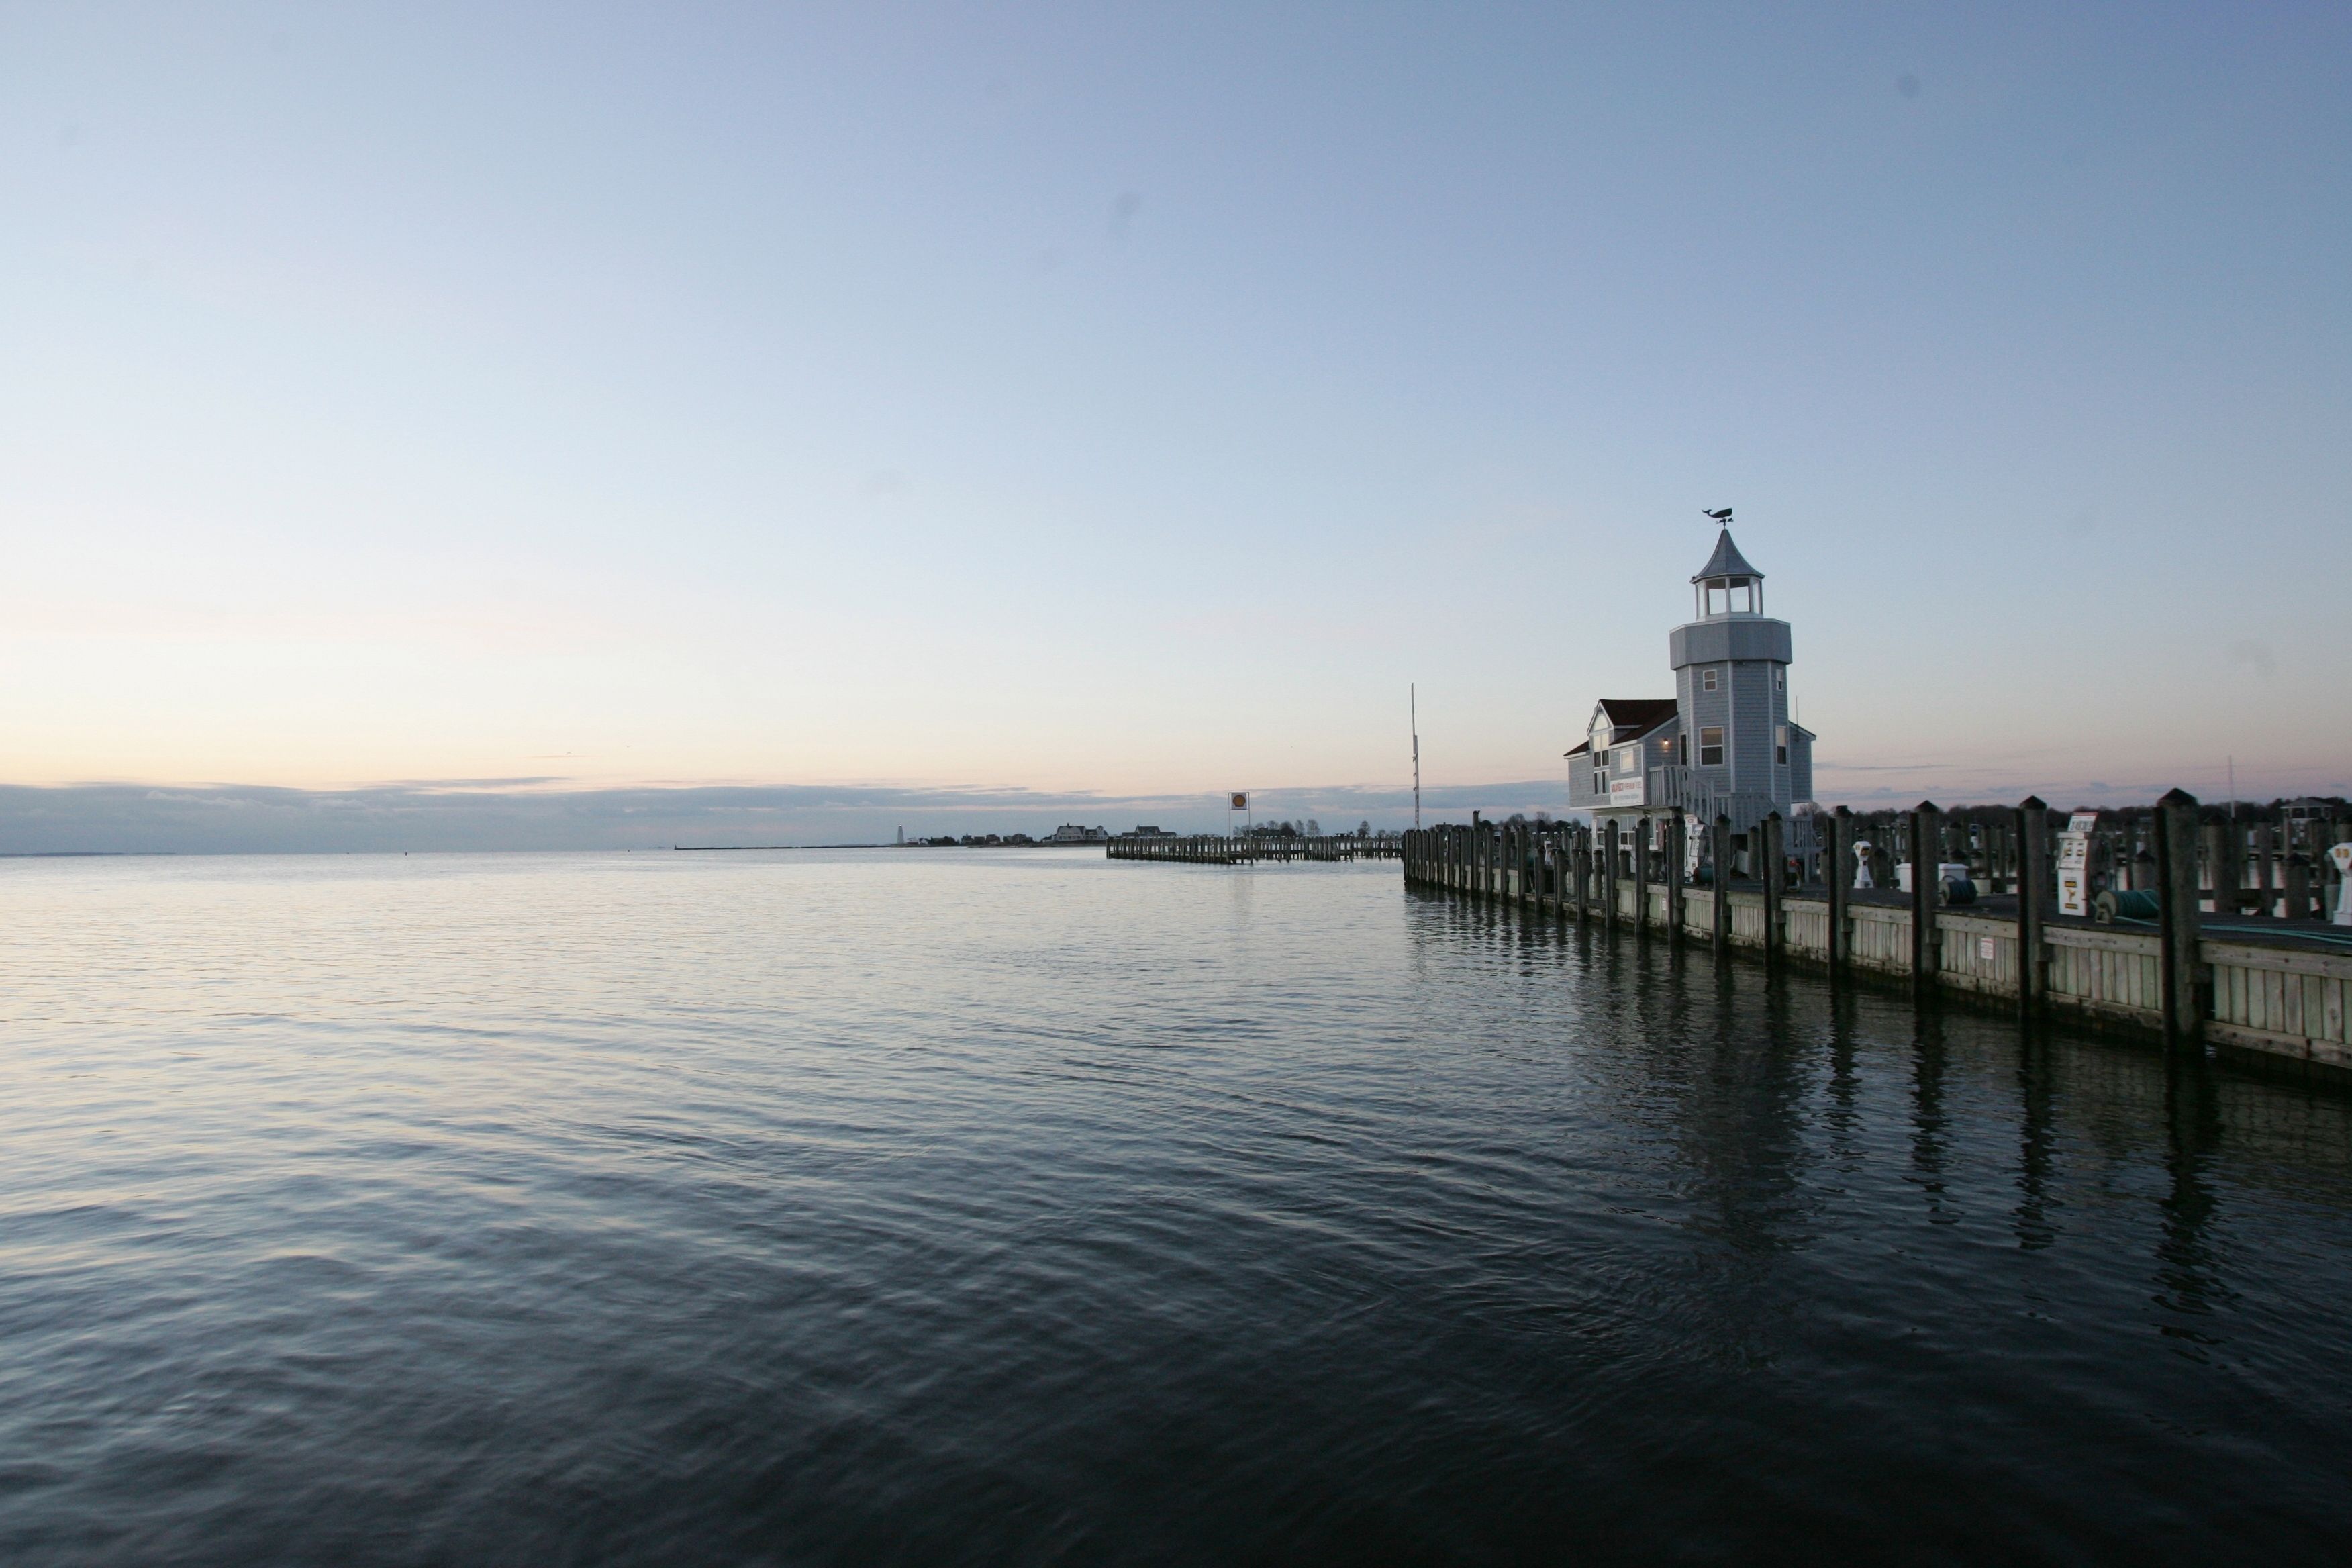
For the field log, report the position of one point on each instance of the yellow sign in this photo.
(1241, 800)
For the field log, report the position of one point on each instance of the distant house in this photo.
(1071, 833)
(1148, 831)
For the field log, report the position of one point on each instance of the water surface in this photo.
(968, 1206)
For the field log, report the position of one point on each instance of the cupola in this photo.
(1726, 587)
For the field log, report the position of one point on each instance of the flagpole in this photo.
(1412, 695)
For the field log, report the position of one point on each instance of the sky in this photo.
(1122, 404)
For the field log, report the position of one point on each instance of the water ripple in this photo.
(937, 1208)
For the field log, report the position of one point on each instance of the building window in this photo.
(1780, 745)
(1710, 747)
(1706, 680)
(1779, 678)
(1626, 759)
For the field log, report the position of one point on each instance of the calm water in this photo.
(938, 1206)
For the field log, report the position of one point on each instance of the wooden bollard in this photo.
(1927, 849)
(1775, 868)
(1840, 887)
(1579, 855)
(1641, 876)
(1609, 878)
(1678, 846)
(2032, 900)
(1720, 852)
(2177, 928)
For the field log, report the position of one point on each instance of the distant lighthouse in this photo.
(1724, 742)
(1731, 687)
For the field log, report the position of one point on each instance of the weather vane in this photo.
(1723, 517)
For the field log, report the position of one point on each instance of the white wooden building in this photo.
(1724, 742)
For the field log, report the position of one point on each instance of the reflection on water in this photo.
(957, 1206)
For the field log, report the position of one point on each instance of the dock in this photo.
(2199, 972)
(1209, 850)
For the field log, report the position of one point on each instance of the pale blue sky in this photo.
(1135, 400)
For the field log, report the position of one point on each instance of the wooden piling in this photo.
(2032, 900)
(1678, 846)
(1580, 871)
(1720, 851)
(1775, 869)
(2178, 933)
(1642, 877)
(1609, 878)
(1839, 883)
(1927, 848)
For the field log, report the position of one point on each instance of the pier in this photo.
(1208, 849)
(2176, 957)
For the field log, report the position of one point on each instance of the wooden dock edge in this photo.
(2280, 1003)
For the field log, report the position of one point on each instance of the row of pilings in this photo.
(2182, 974)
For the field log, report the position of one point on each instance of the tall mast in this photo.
(1414, 697)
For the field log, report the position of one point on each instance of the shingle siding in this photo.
(1750, 705)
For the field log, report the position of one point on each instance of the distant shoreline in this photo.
(746, 848)
(75, 854)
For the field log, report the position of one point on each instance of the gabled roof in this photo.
(1631, 718)
(1727, 561)
(1638, 715)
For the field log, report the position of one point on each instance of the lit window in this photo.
(1780, 745)
(1710, 747)
(1706, 680)
(1626, 759)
